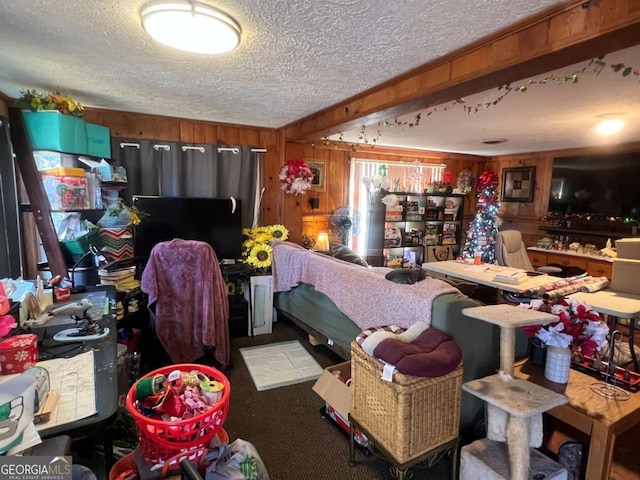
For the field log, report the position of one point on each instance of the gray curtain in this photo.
(172, 169)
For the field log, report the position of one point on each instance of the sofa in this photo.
(315, 292)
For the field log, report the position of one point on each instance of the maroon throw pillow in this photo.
(432, 354)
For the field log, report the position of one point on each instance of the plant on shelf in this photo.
(119, 215)
(578, 326)
(35, 101)
(256, 248)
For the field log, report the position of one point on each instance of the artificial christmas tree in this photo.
(481, 236)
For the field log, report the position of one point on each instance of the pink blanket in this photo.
(189, 297)
(362, 294)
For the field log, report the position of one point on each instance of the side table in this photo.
(259, 294)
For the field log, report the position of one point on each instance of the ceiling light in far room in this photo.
(190, 26)
(610, 123)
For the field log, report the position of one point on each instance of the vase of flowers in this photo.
(256, 248)
(579, 329)
(295, 177)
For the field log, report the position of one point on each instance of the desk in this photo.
(600, 418)
(472, 273)
(106, 372)
(618, 305)
(608, 302)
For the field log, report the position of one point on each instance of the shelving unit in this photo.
(399, 234)
(39, 203)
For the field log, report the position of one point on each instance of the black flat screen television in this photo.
(604, 185)
(211, 220)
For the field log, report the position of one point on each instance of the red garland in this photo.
(486, 178)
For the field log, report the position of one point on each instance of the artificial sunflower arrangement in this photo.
(35, 101)
(256, 248)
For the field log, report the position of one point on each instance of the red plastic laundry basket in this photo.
(161, 440)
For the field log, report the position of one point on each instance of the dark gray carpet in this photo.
(285, 425)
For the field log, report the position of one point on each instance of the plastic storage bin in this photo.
(66, 188)
(52, 130)
(98, 141)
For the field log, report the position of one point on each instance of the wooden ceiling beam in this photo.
(562, 35)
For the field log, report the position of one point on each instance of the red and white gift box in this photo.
(18, 353)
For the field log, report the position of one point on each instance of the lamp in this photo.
(322, 243)
(190, 26)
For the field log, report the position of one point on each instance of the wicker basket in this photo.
(409, 416)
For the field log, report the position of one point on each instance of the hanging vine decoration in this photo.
(596, 65)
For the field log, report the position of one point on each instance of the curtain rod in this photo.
(396, 162)
(187, 147)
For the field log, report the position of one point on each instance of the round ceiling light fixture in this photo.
(190, 26)
(611, 123)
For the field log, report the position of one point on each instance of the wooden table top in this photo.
(585, 405)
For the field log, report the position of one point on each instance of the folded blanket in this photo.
(362, 294)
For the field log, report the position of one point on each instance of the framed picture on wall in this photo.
(317, 168)
(518, 184)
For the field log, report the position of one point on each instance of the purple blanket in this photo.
(362, 294)
(188, 296)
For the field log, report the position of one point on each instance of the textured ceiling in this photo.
(552, 116)
(296, 56)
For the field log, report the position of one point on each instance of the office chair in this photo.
(511, 252)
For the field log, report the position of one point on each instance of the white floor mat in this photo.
(279, 364)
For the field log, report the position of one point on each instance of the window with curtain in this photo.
(366, 177)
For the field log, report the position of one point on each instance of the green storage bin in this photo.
(52, 130)
(98, 141)
(80, 245)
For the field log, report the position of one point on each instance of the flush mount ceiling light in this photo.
(190, 26)
(611, 123)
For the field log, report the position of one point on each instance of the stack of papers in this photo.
(512, 278)
(122, 278)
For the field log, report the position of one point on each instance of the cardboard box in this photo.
(337, 396)
(628, 248)
(625, 276)
(333, 391)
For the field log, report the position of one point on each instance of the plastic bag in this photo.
(237, 461)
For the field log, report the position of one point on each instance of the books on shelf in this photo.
(121, 278)
(449, 233)
(394, 213)
(431, 233)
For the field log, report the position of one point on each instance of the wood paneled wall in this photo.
(153, 127)
(297, 211)
(527, 217)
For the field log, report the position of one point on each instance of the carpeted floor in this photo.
(286, 427)
(285, 424)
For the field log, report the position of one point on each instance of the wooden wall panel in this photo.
(527, 217)
(558, 36)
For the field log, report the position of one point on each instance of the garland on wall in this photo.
(595, 66)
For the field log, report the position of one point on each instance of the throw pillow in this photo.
(431, 354)
(407, 276)
(343, 252)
